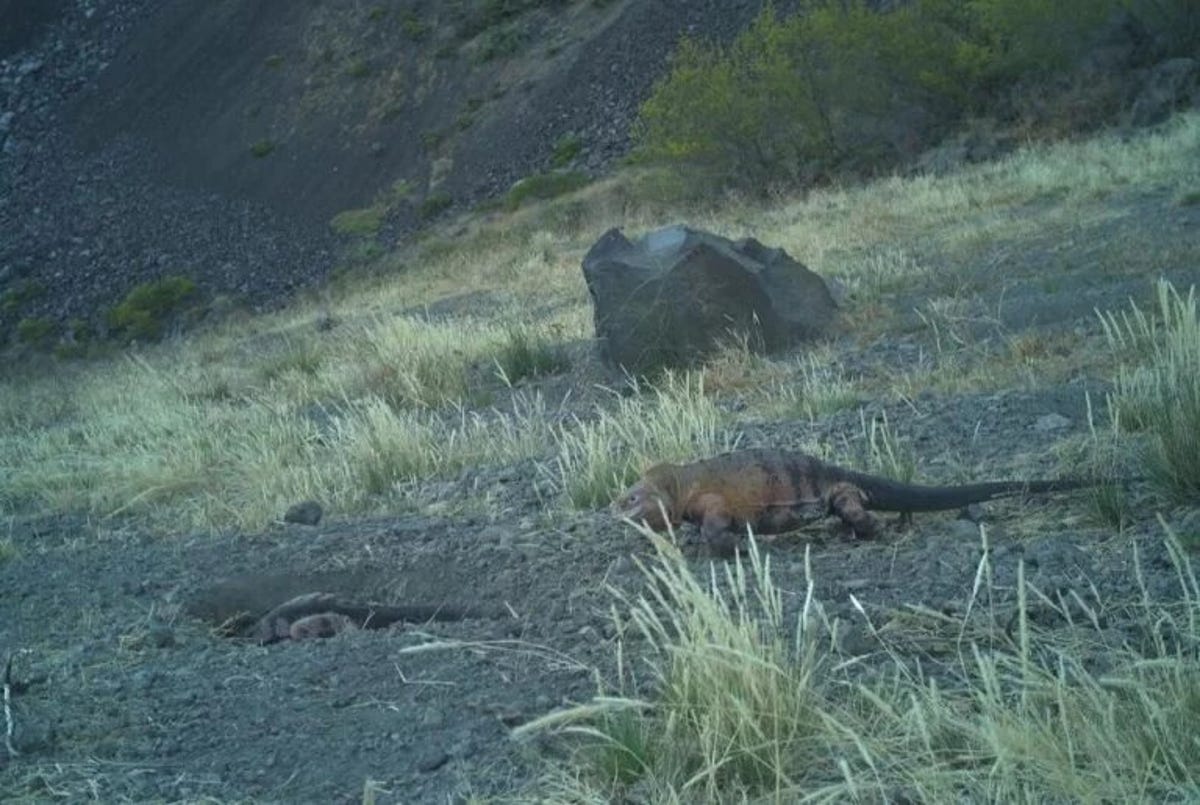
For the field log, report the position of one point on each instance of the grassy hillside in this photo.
(350, 397)
(458, 354)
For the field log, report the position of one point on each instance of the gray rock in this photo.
(966, 530)
(973, 513)
(432, 760)
(308, 512)
(161, 636)
(674, 296)
(1051, 422)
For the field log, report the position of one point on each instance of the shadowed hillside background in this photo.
(257, 149)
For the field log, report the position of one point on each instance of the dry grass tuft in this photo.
(599, 457)
(1157, 387)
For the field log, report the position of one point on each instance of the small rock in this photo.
(308, 512)
(856, 641)
(965, 530)
(974, 512)
(432, 761)
(1051, 422)
(510, 716)
(161, 637)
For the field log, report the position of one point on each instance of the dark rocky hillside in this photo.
(218, 139)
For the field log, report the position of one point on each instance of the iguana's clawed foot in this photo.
(724, 544)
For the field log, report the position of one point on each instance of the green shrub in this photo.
(413, 27)
(566, 148)
(21, 292)
(78, 341)
(434, 204)
(147, 308)
(431, 139)
(274, 61)
(791, 99)
(363, 221)
(526, 353)
(1175, 23)
(358, 68)
(36, 331)
(363, 250)
(262, 148)
(477, 16)
(1024, 36)
(544, 186)
(748, 109)
(500, 43)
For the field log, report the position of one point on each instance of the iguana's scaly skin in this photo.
(773, 491)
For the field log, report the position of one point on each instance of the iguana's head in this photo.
(647, 501)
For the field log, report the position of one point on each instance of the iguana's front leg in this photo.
(716, 526)
(849, 502)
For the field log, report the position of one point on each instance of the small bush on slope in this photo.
(146, 309)
(840, 85)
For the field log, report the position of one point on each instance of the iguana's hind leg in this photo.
(849, 502)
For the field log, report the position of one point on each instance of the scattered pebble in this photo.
(1051, 422)
(308, 512)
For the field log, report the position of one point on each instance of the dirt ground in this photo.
(124, 692)
(128, 697)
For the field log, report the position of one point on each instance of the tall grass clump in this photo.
(748, 704)
(889, 456)
(737, 707)
(382, 447)
(527, 352)
(599, 457)
(821, 388)
(412, 363)
(138, 445)
(1157, 387)
(192, 447)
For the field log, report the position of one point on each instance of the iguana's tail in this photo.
(885, 495)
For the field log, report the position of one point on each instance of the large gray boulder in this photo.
(670, 298)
